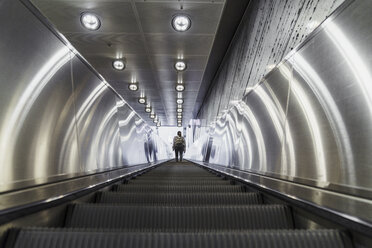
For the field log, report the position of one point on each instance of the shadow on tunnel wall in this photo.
(58, 116)
(309, 120)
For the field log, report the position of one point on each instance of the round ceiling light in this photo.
(180, 87)
(179, 101)
(142, 100)
(180, 66)
(148, 110)
(179, 110)
(118, 64)
(90, 21)
(133, 86)
(181, 22)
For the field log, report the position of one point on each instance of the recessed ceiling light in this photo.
(148, 108)
(179, 125)
(179, 110)
(179, 120)
(181, 22)
(180, 87)
(90, 21)
(118, 64)
(179, 101)
(133, 86)
(152, 116)
(142, 100)
(179, 115)
(180, 66)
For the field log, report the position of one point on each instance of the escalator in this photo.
(177, 205)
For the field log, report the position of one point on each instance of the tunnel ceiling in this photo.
(141, 32)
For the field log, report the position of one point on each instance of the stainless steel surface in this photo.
(47, 194)
(267, 33)
(354, 209)
(58, 118)
(141, 32)
(309, 120)
(136, 138)
(36, 103)
(99, 141)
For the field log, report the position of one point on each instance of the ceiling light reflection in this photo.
(133, 86)
(180, 66)
(142, 100)
(118, 65)
(180, 87)
(181, 23)
(90, 21)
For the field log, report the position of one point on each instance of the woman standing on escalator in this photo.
(179, 146)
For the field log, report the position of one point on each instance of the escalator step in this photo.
(70, 238)
(180, 199)
(160, 218)
(180, 182)
(180, 174)
(178, 188)
(180, 178)
(179, 171)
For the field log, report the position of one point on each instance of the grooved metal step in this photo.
(181, 174)
(180, 182)
(178, 188)
(180, 199)
(179, 219)
(72, 238)
(179, 206)
(176, 178)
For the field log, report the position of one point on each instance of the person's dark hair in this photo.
(179, 133)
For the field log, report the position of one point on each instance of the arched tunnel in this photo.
(273, 101)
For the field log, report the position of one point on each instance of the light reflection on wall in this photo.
(58, 117)
(313, 111)
(331, 110)
(355, 63)
(15, 117)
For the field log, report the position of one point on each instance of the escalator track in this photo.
(177, 205)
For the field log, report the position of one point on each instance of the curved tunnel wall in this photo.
(309, 119)
(58, 117)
